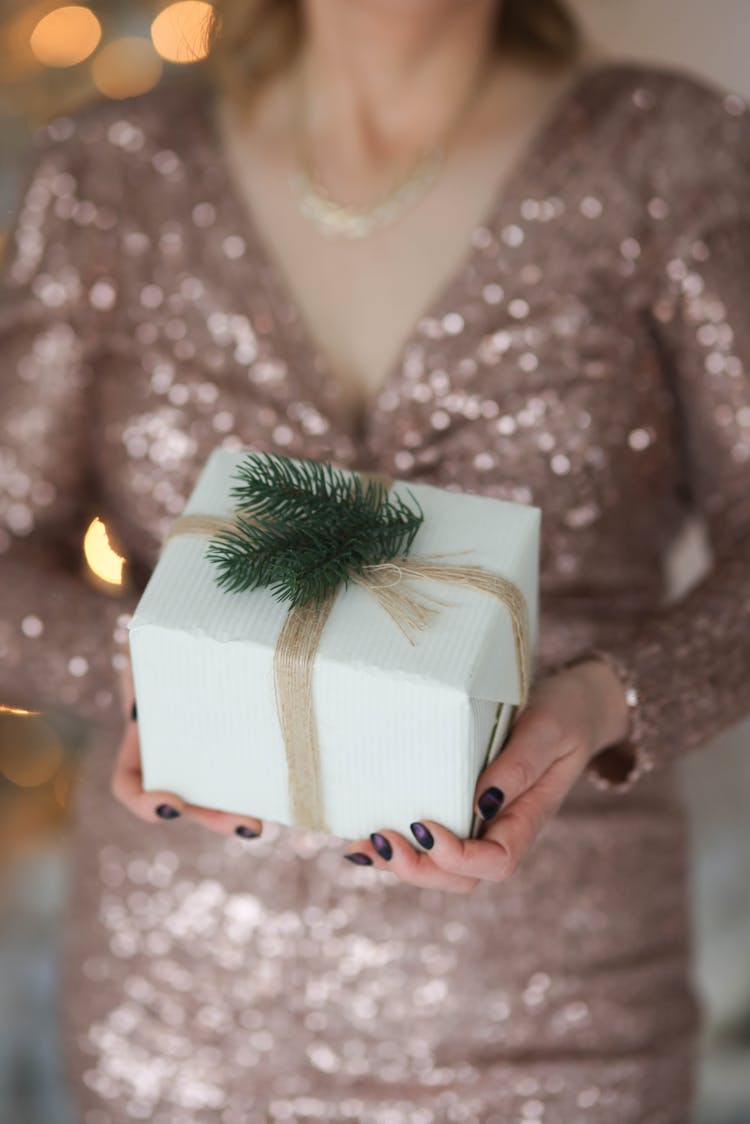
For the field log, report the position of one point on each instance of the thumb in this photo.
(534, 744)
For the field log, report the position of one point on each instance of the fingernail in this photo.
(167, 812)
(422, 834)
(490, 802)
(359, 858)
(381, 845)
(246, 832)
(134, 713)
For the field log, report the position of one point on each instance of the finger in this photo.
(534, 744)
(127, 786)
(224, 823)
(496, 853)
(473, 858)
(408, 864)
(157, 805)
(517, 829)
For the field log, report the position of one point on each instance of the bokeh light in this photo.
(179, 31)
(65, 36)
(34, 759)
(101, 558)
(126, 67)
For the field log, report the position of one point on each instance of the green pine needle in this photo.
(310, 526)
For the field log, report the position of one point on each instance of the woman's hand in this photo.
(571, 715)
(155, 807)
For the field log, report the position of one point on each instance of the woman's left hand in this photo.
(570, 716)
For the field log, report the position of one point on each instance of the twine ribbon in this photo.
(298, 641)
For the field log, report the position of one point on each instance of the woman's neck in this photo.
(378, 81)
(383, 78)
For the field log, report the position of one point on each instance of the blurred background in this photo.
(55, 57)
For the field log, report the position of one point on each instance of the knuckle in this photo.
(520, 773)
(544, 726)
(501, 868)
(457, 850)
(413, 865)
(525, 824)
(454, 856)
(513, 864)
(508, 862)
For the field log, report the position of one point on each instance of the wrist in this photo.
(611, 710)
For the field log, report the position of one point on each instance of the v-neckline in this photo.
(245, 223)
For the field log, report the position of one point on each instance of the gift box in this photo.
(340, 669)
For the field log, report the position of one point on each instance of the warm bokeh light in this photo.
(126, 67)
(17, 710)
(33, 759)
(100, 556)
(66, 36)
(179, 31)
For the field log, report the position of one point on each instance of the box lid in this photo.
(468, 646)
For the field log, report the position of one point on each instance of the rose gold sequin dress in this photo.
(590, 355)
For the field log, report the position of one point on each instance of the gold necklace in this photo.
(335, 219)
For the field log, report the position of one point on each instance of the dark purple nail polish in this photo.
(490, 802)
(134, 713)
(246, 832)
(422, 834)
(381, 845)
(167, 812)
(359, 858)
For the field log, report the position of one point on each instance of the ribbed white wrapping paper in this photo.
(403, 730)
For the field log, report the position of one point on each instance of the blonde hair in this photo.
(249, 41)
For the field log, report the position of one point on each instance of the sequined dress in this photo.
(590, 355)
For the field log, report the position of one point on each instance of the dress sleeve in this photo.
(686, 669)
(56, 631)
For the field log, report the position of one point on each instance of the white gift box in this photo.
(403, 729)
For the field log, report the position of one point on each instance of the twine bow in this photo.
(298, 641)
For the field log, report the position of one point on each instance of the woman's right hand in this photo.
(156, 806)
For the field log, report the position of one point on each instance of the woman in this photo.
(555, 313)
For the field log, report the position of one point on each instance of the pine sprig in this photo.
(270, 484)
(303, 528)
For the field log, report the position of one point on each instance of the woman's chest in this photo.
(531, 376)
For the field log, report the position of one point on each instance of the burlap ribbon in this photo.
(298, 641)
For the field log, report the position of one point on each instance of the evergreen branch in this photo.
(274, 484)
(311, 527)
